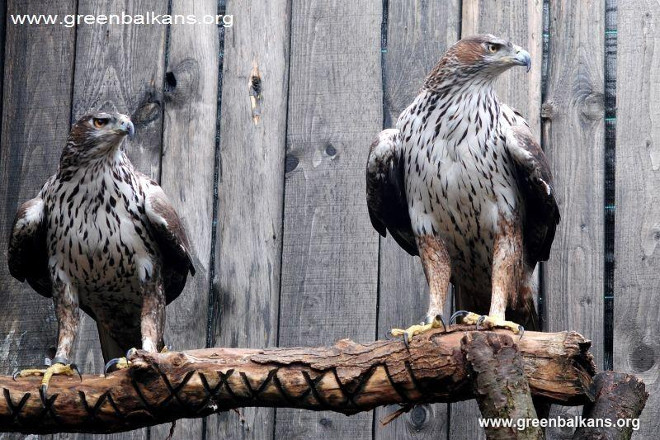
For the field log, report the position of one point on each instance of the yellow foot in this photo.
(57, 369)
(417, 329)
(120, 363)
(489, 322)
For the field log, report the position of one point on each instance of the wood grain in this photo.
(187, 172)
(35, 124)
(330, 250)
(573, 138)
(418, 34)
(250, 192)
(121, 68)
(637, 268)
(347, 378)
(521, 23)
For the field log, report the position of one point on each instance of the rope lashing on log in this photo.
(347, 377)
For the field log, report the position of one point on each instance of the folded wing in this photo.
(535, 182)
(172, 241)
(28, 254)
(386, 196)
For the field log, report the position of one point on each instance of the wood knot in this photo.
(642, 357)
(548, 110)
(593, 106)
(182, 82)
(255, 91)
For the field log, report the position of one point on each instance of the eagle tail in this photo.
(109, 346)
(525, 315)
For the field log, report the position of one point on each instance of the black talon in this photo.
(15, 374)
(74, 367)
(405, 340)
(442, 321)
(42, 392)
(480, 321)
(521, 329)
(456, 314)
(111, 363)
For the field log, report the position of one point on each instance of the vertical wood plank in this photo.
(250, 192)
(522, 24)
(637, 268)
(187, 172)
(35, 125)
(573, 138)
(330, 250)
(120, 67)
(38, 76)
(418, 34)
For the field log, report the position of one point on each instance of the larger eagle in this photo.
(102, 237)
(462, 183)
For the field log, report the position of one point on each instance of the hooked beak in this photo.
(127, 126)
(522, 58)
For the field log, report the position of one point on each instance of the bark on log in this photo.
(499, 385)
(618, 396)
(347, 378)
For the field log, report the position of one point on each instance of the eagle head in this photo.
(478, 58)
(98, 135)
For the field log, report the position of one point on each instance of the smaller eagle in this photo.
(462, 183)
(102, 237)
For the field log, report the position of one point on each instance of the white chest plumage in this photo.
(459, 177)
(98, 238)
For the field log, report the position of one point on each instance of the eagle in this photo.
(462, 183)
(102, 237)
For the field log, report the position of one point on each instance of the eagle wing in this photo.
(386, 196)
(28, 253)
(171, 238)
(535, 182)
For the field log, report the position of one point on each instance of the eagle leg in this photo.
(506, 279)
(67, 312)
(437, 268)
(152, 322)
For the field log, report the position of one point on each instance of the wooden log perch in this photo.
(346, 378)
(499, 384)
(618, 397)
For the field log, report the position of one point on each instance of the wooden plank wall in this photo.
(636, 277)
(259, 134)
(414, 34)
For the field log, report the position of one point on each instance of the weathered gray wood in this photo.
(418, 33)
(250, 193)
(121, 68)
(637, 268)
(35, 122)
(573, 138)
(520, 23)
(187, 173)
(330, 250)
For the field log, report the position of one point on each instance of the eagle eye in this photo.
(100, 122)
(493, 47)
